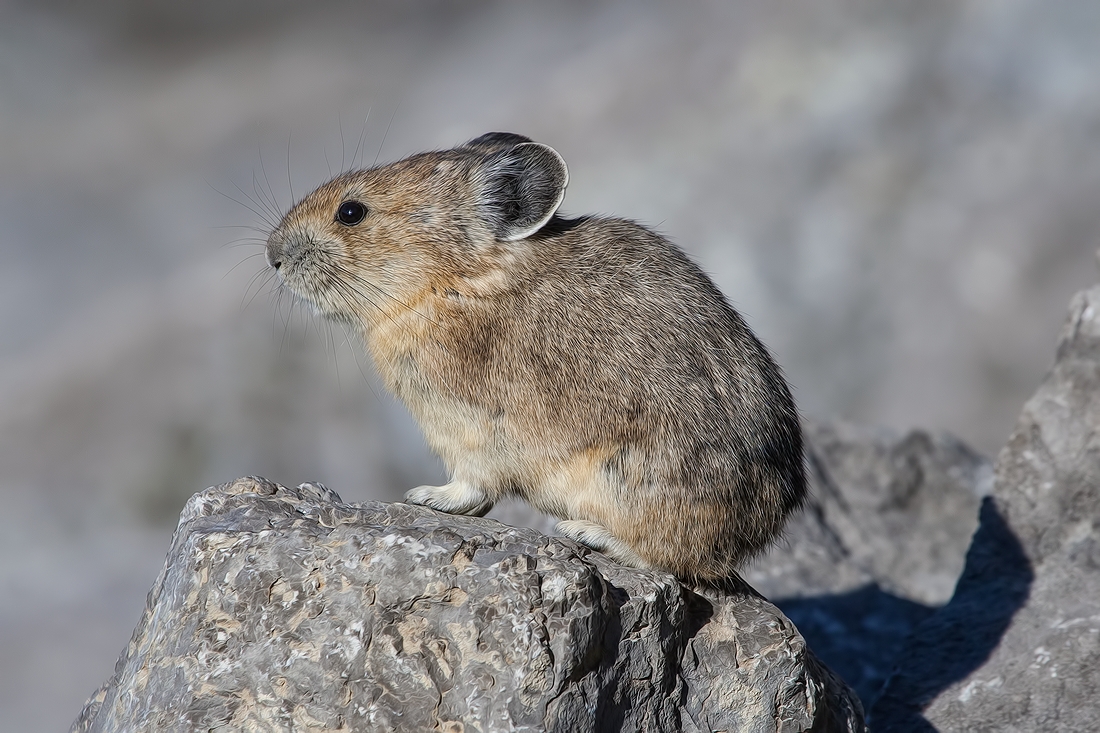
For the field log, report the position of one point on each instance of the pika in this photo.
(583, 364)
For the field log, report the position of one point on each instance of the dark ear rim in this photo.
(497, 141)
(557, 171)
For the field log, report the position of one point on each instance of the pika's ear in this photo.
(521, 188)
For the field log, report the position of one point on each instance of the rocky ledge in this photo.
(285, 609)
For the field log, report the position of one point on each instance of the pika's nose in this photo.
(274, 251)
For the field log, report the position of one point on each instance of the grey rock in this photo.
(1018, 646)
(879, 546)
(892, 509)
(284, 609)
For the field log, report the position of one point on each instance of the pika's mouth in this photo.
(305, 265)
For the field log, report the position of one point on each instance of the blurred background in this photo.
(900, 197)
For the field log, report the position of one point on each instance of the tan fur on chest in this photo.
(409, 351)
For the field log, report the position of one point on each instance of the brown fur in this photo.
(589, 368)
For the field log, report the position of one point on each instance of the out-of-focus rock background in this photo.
(900, 197)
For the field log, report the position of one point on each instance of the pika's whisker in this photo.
(385, 134)
(289, 180)
(246, 259)
(362, 132)
(263, 217)
(267, 195)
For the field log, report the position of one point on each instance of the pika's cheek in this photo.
(423, 216)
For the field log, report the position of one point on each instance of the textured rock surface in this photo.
(284, 608)
(1018, 646)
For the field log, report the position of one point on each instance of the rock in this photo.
(894, 509)
(285, 608)
(879, 546)
(1018, 646)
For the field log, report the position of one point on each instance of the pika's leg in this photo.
(457, 497)
(600, 539)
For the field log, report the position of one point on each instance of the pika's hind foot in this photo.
(457, 497)
(599, 538)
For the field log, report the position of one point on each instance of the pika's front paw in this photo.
(454, 498)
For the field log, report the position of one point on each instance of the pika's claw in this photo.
(456, 497)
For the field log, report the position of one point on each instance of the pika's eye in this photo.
(351, 213)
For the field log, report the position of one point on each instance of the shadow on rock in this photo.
(958, 638)
(859, 634)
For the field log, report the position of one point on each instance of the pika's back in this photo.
(586, 364)
(613, 302)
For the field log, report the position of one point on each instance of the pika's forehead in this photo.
(407, 183)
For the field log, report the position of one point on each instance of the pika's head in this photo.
(370, 240)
